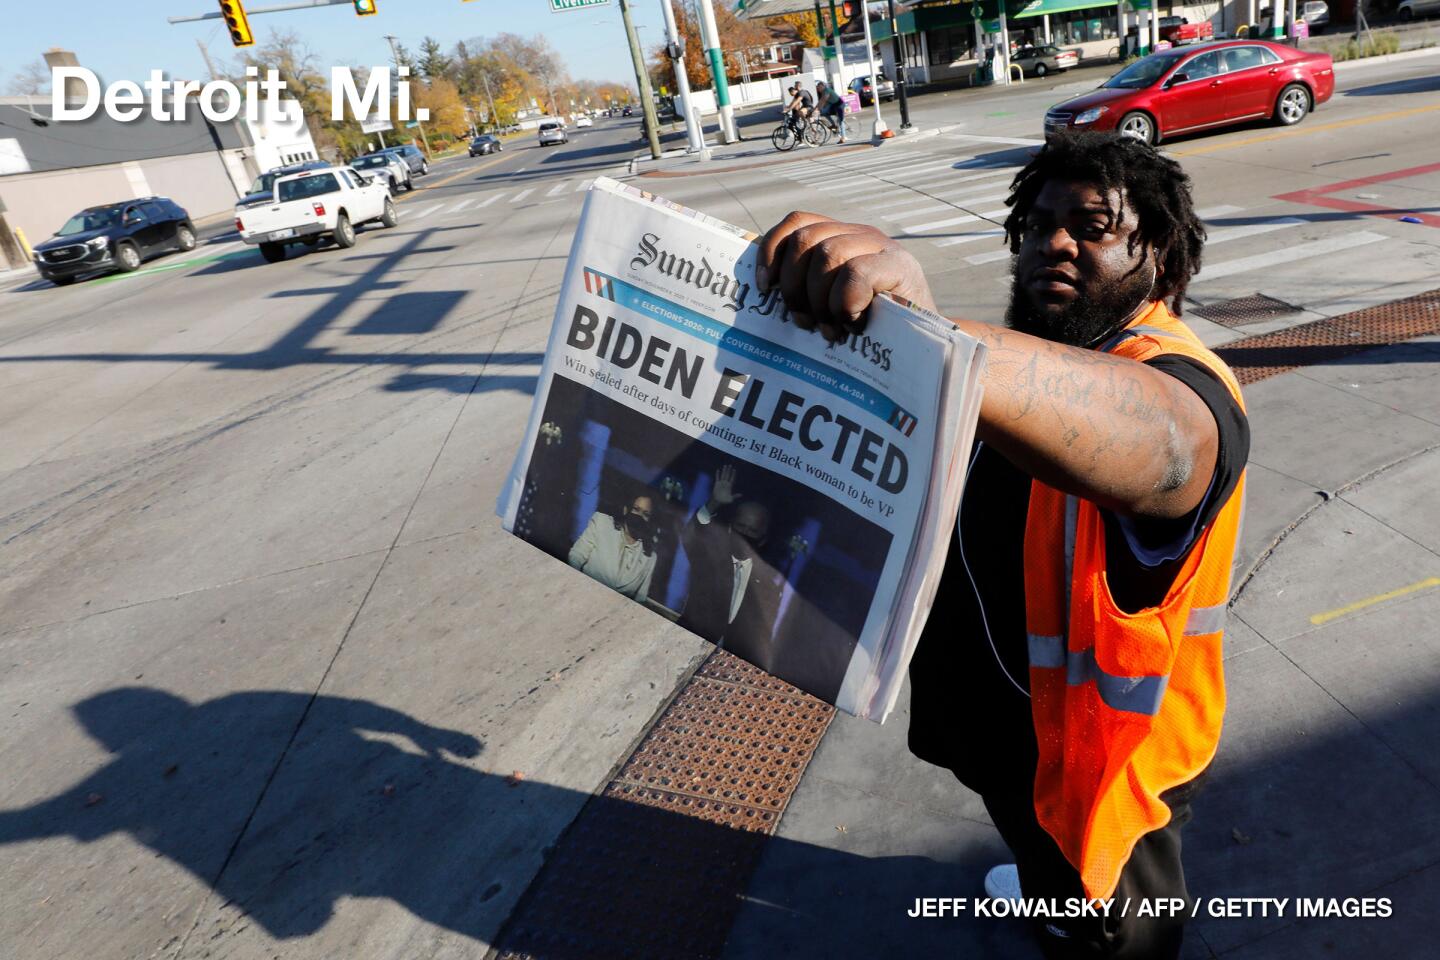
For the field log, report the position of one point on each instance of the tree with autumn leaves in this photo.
(738, 39)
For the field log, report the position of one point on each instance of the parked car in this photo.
(262, 189)
(310, 206)
(552, 132)
(584, 121)
(862, 87)
(412, 156)
(485, 144)
(1187, 89)
(1038, 61)
(1180, 30)
(1410, 9)
(1316, 13)
(116, 236)
(386, 165)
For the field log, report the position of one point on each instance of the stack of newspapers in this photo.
(787, 499)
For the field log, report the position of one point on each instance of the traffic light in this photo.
(233, 12)
(366, 8)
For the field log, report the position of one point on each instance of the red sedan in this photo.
(1199, 87)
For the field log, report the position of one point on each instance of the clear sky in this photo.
(126, 39)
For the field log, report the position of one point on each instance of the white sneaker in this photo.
(1003, 882)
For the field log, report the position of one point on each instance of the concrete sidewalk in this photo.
(1327, 783)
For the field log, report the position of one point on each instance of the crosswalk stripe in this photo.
(426, 212)
(461, 205)
(967, 237)
(584, 185)
(1020, 141)
(917, 212)
(559, 187)
(1251, 230)
(937, 224)
(980, 258)
(1210, 213)
(1344, 241)
(522, 194)
(952, 221)
(490, 199)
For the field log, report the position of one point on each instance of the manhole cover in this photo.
(1243, 310)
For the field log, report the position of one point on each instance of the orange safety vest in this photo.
(1126, 705)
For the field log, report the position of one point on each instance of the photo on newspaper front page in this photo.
(693, 450)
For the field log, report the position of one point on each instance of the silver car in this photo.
(387, 165)
(551, 132)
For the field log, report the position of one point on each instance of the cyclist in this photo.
(831, 107)
(798, 110)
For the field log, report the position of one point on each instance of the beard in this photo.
(1100, 308)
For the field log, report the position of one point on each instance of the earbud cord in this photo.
(979, 600)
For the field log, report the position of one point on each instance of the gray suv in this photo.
(413, 158)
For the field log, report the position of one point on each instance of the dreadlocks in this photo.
(1154, 186)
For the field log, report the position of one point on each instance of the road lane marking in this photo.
(410, 194)
(490, 199)
(426, 212)
(1210, 213)
(1328, 615)
(461, 205)
(967, 238)
(952, 221)
(1017, 141)
(584, 185)
(1251, 230)
(979, 258)
(1344, 241)
(917, 212)
(209, 258)
(1306, 129)
(558, 188)
(522, 194)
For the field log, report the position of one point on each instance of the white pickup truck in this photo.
(330, 201)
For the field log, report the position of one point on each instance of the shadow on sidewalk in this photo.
(369, 802)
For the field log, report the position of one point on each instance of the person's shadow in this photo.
(365, 804)
(285, 804)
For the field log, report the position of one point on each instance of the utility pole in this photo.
(494, 116)
(694, 134)
(642, 82)
(899, 70)
(711, 39)
(395, 58)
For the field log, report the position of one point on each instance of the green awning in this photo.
(1040, 8)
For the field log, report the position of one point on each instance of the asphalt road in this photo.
(275, 682)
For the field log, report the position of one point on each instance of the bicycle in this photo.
(791, 133)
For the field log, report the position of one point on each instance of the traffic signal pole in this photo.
(642, 82)
(899, 70)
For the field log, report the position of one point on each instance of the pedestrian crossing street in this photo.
(948, 191)
(420, 210)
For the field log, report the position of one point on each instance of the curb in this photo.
(1388, 58)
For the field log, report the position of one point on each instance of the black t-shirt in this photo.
(965, 712)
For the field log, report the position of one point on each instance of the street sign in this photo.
(375, 124)
(556, 6)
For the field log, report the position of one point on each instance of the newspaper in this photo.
(787, 499)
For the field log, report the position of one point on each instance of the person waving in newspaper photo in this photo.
(1070, 670)
(734, 595)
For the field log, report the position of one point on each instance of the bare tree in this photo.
(31, 80)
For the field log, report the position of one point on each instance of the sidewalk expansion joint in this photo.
(656, 865)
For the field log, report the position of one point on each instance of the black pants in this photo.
(1152, 872)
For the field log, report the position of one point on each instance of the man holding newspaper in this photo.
(1070, 671)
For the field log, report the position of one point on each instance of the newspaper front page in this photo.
(689, 447)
